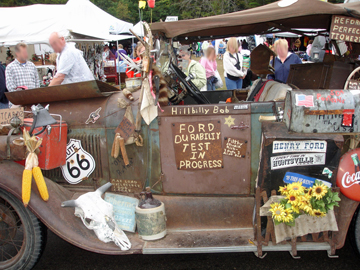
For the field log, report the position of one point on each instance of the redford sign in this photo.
(348, 176)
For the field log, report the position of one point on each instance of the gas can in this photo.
(53, 147)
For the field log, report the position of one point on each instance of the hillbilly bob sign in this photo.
(345, 28)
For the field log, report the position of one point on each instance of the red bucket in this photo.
(151, 3)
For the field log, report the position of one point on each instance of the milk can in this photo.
(150, 217)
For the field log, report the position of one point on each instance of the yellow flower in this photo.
(288, 216)
(319, 191)
(318, 213)
(284, 190)
(293, 199)
(295, 209)
(304, 204)
(277, 211)
(296, 188)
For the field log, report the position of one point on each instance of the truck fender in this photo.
(61, 221)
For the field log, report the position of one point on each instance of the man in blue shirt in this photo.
(283, 60)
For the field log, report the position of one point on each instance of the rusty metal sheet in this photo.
(235, 148)
(71, 91)
(234, 178)
(197, 145)
(61, 220)
(345, 28)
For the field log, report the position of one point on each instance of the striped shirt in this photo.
(18, 74)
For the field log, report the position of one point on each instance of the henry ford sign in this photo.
(197, 145)
(345, 28)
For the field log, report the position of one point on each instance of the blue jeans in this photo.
(4, 105)
(210, 83)
(232, 85)
(198, 53)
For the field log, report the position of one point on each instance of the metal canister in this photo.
(150, 217)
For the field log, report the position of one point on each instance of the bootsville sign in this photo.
(348, 176)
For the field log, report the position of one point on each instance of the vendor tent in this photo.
(81, 18)
(285, 15)
(139, 29)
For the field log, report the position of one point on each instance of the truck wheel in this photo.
(354, 232)
(22, 235)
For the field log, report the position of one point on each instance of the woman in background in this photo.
(283, 60)
(233, 66)
(210, 65)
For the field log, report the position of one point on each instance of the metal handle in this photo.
(263, 118)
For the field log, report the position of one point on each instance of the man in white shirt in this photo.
(71, 65)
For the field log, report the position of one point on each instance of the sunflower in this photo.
(278, 211)
(296, 209)
(284, 190)
(296, 188)
(318, 213)
(304, 204)
(319, 191)
(288, 216)
(308, 193)
(293, 199)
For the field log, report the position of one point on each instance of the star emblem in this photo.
(229, 121)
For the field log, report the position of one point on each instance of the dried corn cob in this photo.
(26, 186)
(40, 182)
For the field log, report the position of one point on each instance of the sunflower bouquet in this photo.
(315, 201)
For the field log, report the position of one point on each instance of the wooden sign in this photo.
(7, 114)
(124, 210)
(345, 28)
(235, 148)
(125, 128)
(197, 145)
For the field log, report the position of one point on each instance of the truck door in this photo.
(205, 149)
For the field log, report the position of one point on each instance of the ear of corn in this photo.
(26, 186)
(40, 182)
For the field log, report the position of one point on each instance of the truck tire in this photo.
(22, 235)
(354, 232)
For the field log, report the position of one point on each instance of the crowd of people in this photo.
(71, 67)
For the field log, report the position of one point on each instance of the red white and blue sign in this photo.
(304, 100)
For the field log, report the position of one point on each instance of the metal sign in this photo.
(299, 146)
(125, 128)
(126, 186)
(297, 160)
(235, 148)
(7, 114)
(79, 163)
(124, 210)
(171, 18)
(348, 176)
(197, 145)
(306, 181)
(345, 28)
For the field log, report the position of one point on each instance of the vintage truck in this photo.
(213, 164)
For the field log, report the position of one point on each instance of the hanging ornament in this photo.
(142, 4)
(151, 3)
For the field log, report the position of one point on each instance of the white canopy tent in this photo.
(76, 20)
(139, 29)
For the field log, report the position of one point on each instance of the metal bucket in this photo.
(151, 223)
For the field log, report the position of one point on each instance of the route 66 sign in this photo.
(79, 163)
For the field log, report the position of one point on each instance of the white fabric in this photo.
(229, 65)
(71, 63)
(148, 109)
(219, 83)
(139, 29)
(76, 16)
